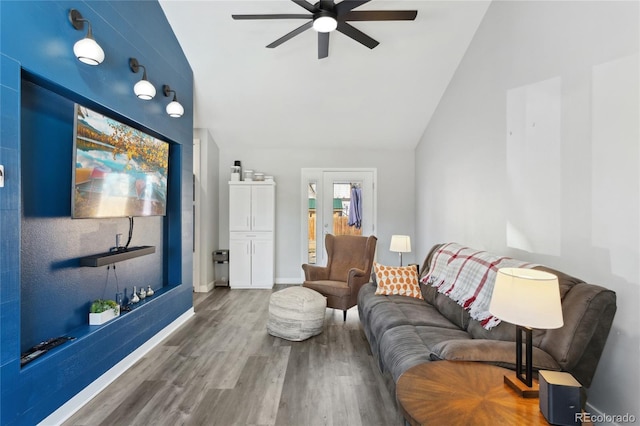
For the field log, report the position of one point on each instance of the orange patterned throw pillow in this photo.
(397, 280)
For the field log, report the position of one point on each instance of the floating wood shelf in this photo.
(108, 258)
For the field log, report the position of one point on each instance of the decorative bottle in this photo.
(149, 291)
(134, 296)
(142, 293)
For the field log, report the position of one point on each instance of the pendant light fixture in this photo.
(87, 50)
(143, 89)
(174, 109)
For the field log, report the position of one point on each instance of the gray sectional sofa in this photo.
(404, 332)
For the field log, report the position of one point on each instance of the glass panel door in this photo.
(347, 206)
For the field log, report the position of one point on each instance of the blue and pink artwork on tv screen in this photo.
(119, 171)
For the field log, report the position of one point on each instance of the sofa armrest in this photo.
(492, 351)
(315, 273)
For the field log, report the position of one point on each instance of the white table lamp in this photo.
(400, 244)
(528, 298)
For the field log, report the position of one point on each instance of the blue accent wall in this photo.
(44, 292)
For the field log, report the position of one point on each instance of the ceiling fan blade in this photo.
(302, 3)
(274, 16)
(380, 15)
(323, 45)
(290, 35)
(346, 5)
(356, 34)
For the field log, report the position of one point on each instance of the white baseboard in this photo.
(600, 418)
(86, 394)
(204, 289)
(289, 281)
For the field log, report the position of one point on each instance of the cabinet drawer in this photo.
(251, 235)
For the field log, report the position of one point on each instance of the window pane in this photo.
(341, 207)
(311, 220)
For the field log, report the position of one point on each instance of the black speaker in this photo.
(560, 400)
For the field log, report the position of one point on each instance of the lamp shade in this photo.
(174, 109)
(88, 51)
(144, 90)
(527, 297)
(400, 244)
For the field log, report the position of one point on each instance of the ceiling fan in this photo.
(327, 15)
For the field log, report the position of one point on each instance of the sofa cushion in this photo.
(429, 293)
(494, 352)
(397, 280)
(452, 311)
(446, 306)
(505, 331)
(379, 313)
(405, 346)
(329, 287)
(366, 301)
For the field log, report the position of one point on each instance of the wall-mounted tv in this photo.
(119, 171)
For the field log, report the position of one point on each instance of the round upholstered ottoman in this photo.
(296, 313)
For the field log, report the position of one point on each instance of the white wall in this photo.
(209, 196)
(533, 152)
(396, 188)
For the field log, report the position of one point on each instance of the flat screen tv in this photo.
(119, 171)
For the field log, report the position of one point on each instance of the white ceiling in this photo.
(248, 95)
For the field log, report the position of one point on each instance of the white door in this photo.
(337, 204)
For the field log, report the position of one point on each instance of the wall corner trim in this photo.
(84, 396)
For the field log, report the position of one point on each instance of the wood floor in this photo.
(222, 368)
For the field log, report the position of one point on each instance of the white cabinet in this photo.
(251, 206)
(251, 264)
(251, 226)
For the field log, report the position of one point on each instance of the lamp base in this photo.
(522, 389)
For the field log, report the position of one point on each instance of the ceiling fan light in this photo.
(174, 109)
(144, 90)
(88, 51)
(325, 24)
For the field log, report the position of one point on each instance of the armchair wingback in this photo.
(349, 263)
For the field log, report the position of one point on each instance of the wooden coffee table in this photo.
(463, 393)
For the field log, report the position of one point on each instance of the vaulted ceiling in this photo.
(381, 98)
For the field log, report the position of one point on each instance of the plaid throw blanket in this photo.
(467, 276)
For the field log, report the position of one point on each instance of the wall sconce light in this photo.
(87, 50)
(143, 89)
(174, 109)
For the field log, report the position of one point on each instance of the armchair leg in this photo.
(345, 315)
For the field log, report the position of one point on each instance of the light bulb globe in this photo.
(88, 51)
(144, 90)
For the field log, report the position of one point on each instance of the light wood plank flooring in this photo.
(223, 368)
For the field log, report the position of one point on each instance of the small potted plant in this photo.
(102, 311)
